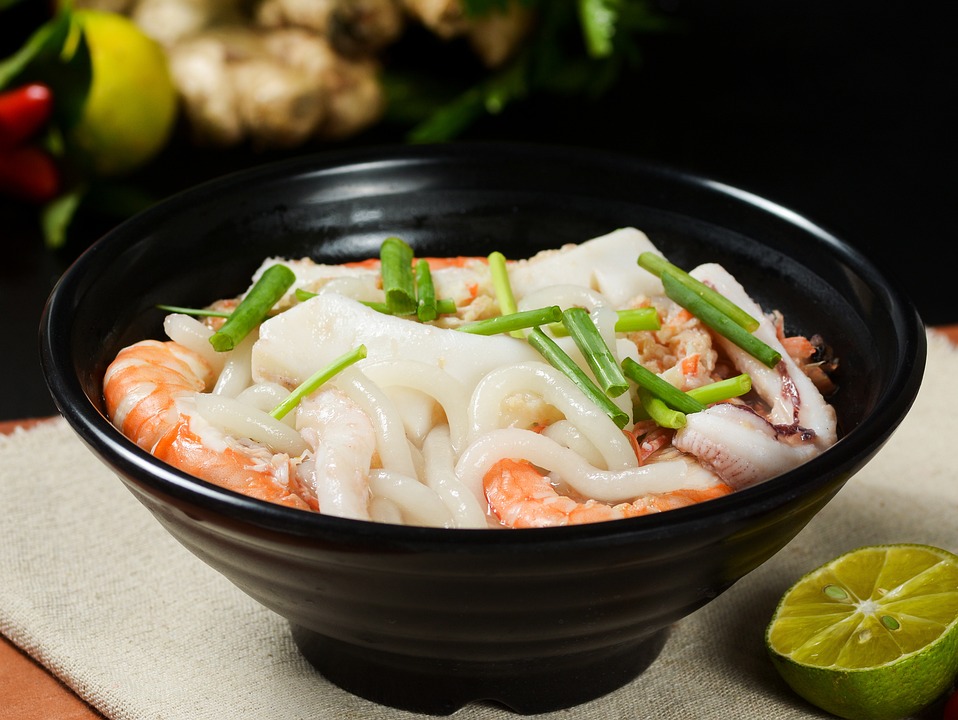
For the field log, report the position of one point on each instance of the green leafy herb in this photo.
(253, 309)
(317, 379)
(196, 312)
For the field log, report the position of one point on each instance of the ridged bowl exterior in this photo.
(430, 619)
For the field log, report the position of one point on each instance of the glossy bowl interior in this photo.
(431, 619)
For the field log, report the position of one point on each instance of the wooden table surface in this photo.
(29, 692)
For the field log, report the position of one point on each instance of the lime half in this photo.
(871, 634)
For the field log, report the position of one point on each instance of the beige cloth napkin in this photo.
(94, 589)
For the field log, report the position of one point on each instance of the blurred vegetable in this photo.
(28, 173)
(23, 112)
(573, 49)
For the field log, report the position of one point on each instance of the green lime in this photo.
(132, 106)
(871, 634)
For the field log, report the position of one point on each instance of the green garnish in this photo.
(558, 358)
(635, 319)
(399, 283)
(721, 389)
(659, 411)
(662, 389)
(718, 321)
(425, 293)
(595, 350)
(502, 286)
(317, 379)
(198, 312)
(657, 265)
(253, 309)
(514, 321)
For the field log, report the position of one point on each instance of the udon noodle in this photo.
(436, 425)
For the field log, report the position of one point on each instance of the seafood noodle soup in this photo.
(591, 382)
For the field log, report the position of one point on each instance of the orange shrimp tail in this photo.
(229, 469)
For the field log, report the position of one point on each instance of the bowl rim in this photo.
(130, 461)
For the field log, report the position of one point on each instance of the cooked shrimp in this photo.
(149, 389)
(343, 440)
(521, 497)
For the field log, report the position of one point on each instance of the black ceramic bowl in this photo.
(430, 619)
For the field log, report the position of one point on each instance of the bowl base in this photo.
(441, 687)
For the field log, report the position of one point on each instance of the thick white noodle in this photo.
(440, 475)
(450, 393)
(568, 435)
(385, 511)
(236, 418)
(419, 504)
(191, 333)
(390, 434)
(567, 296)
(237, 372)
(574, 470)
(264, 396)
(559, 391)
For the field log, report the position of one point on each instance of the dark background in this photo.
(842, 111)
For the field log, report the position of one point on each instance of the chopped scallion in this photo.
(656, 265)
(196, 312)
(425, 293)
(444, 306)
(514, 321)
(595, 351)
(398, 281)
(635, 319)
(252, 310)
(719, 322)
(721, 389)
(662, 389)
(659, 411)
(558, 358)
(317, 379)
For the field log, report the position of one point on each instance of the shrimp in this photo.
(521, 497)
(343, 440)
(149, 390)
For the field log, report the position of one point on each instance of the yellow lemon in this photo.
(132, 106)
(872, 634)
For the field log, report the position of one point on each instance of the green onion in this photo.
(719, 322)
(595, 351)
(501, 284)
(634, 319)
(303, 295)
(662, 389)
(659, 411)
(193, 311)
(657, 265)
(252, 310)
(514, 321)
(721, 390)
(316, 379)
(629, 320)
(425, 292)
(557, 357)
(398, 281)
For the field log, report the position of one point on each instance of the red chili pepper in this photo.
(23, 112)
(28, 173)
